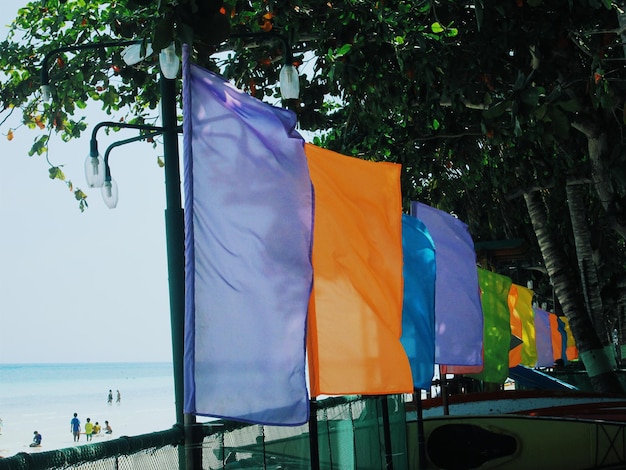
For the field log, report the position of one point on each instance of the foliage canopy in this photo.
(477, 99)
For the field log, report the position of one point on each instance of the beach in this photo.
(44, 397)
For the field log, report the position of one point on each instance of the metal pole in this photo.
(313, 436)
(421, 442)
(175, 235)
(387, 432)
(444, 391)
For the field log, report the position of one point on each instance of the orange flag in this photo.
(355, 311)
(524, 308)
(515, 353)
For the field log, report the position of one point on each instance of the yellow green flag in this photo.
(497, 326)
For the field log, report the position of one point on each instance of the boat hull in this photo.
(517, 442)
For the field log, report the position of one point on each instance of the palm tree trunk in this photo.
(621, 318)
(588, 272)
(597, 146)
(601, 374)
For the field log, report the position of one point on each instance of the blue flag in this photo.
(418, 308)
(543, 338)
(458, 312)
(248, 224)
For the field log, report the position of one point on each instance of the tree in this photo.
(480, 101)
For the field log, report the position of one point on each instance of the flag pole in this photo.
(444, 391)
(387, 432)
(421, 440)
(175, 236)
(313, 436)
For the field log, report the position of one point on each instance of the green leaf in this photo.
(530, 96)
(437, 28)
(497, 110)
(55, 173)
(343, 50)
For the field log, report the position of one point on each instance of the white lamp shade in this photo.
(46, 95)
(169, 61)
(94, 171)
(132, 54)
(109, 194)
(289, 82)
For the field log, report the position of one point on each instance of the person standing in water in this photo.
(110, 397)
(75, 427)
(119, 397)
(88, 429)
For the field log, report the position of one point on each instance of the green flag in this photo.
(497, 326)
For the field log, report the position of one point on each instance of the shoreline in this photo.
(44, 399)
(13, 450)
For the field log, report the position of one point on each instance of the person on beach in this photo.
(107, 428)
(88, 429)
(36, 440)
(110, 397)
(96, 428)
(75, 427)
(119, 397)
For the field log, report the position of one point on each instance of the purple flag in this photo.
(458, 312)
(248, 242)
(543, 338)
(418, 307)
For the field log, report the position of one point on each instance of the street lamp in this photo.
(109, 186)
(95, 166)
(289, 80)
(98, 174)
(174, 221)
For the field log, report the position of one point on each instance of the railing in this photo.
(352, 432)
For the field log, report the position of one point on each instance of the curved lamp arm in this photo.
(109, 188)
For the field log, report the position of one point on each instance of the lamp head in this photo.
(95, 171)
(289, 82)
(133, 54)
(169, 61)
(46, 94)
(109, 193)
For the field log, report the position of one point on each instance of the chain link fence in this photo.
(368, 433)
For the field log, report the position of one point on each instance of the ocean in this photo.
(44, 397)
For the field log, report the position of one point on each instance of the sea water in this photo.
(44, 397)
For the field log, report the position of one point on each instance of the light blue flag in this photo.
(248, 223)
(458, 312)
(543, 338)
(418, 307)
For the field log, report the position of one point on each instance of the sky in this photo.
(80, 287)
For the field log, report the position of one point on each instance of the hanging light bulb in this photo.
(109, 193)
(46, 95)
(289, 82)
(132, 54)
(169, 61)
(95, 172)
